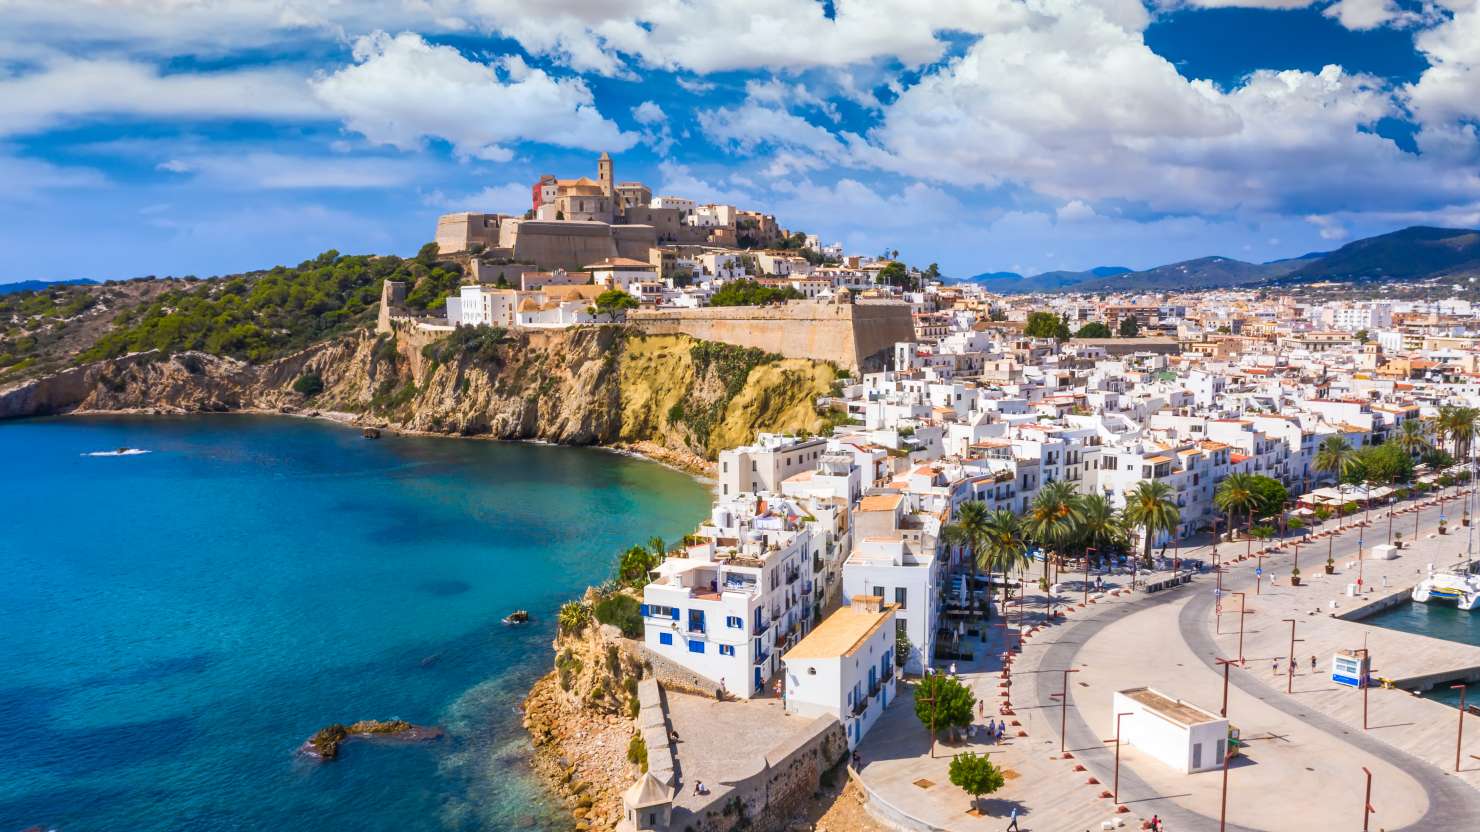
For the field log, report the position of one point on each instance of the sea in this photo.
(177, 622)
(1439, 621)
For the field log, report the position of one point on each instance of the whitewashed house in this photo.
(845, 667)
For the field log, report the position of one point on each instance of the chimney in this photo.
(868, 603)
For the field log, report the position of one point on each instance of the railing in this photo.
(793, 575)
(860, 706)
(817, 564)
(761, 626)
(806, 587)
(888, 673)
(873, 689)
(760, 658)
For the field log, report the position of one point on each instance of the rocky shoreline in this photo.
(580, 755)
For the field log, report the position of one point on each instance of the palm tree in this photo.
(1053, 518)
(1150, 507)
(1337, 457)
(1413, 437)
(1002, 547)
(969, 532)
(1236, 493)
(1099, 527)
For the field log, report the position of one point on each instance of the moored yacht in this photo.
(1457, 588)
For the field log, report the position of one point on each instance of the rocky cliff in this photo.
(669, 395)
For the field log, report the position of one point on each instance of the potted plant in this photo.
(1443, 527)
(1330, 566)
(1295, 576)
(1398, 539)
(1464, 519)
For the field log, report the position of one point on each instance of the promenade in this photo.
(1302, 766)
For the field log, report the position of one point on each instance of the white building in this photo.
(845, 667)
(896, 562)
(765, 465)
(1178, 733)
(734, 600)
(621, 273)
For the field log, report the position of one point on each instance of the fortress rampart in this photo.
(856, 336)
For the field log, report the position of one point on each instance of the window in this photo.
(660, 611)
(811, 671)
(665, 638)
(726, 650)
(879, 591)
(696, 646)
(734, 622)
(900, 594)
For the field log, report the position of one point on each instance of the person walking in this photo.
(1312, 663)
(1156, 823)
(1012, 825)
(1276, 667)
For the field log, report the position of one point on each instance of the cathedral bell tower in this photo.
(604, 173)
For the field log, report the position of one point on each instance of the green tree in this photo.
(932, 272)
(1099, 526)
(1093, 329)
(894, 273)
(1046, 325)
(975, 775)
(969, 531)
(1004, 548)
(1149, 506)
(1336, 457)
(1236, 495)
(1128, 327)
(1053, 518)
(310, 384)
(943, 703)
(614, 302)
(634, 566)
(1270, 495)
(1412, 437)
(573, 617)
(751, 293)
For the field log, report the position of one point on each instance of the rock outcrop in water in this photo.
(670, 396)
(324, 744)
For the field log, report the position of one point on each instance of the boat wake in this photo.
(119, 452)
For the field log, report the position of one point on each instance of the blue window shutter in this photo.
(665, 638)
(675, 613)
(643, 610)
(696, 646)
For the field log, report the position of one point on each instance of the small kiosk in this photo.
(1178, 733)
(1350, 668)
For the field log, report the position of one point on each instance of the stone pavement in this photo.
(1304, 760)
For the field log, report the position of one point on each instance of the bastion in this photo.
(855, 336)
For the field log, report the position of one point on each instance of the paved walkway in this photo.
(1303, 766)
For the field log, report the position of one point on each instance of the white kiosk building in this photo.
(1178, 733)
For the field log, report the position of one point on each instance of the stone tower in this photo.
(604, 173)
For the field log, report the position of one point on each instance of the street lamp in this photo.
(1223, 810)
(1367, 809)
(1290, 671)
(1087, 550)
(1242, 598)
(1459, 737)
(1064, 708)
(1116, 798)
(1223, 711)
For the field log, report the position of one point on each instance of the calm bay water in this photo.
(176, 623)
(1440, 621)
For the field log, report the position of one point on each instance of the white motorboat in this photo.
(1449, 587)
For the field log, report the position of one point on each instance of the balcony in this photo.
(873, 689)
(806, 588)
(761, 657)
(761, 627)
(860, 706)
(793, 575)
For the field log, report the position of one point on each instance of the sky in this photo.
(208, 137)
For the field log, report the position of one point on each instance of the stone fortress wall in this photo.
(855, 336)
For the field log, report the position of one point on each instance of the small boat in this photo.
(517, 617)
(370, 433)
(1449, 587)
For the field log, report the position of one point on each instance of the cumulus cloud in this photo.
(26, 178)
(509, 198)
(262, 170)
(59, 91)
(402, 90)
(656, 132)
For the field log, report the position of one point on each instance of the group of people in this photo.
(1277, 665)
(996, 730)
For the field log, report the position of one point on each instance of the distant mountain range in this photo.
(1410, 254)
(33, 285)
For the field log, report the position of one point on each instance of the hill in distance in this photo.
(33, 285)
(1415, 253)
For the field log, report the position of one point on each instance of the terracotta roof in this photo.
(840, 634)
(880, 502)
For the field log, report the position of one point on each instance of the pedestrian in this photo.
(1276, 668)
(1156, 823)
(981, 707)
(1312, 664)
(953, 668)
(1012, 826)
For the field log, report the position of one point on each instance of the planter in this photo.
(1443, 529)
(1294, 580)
(1330, 569)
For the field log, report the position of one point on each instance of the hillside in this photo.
(1412, 253)
(301, 340)
(1416, 253)
(36, 285)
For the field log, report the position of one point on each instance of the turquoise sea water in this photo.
(1440, 621)
(176, 623)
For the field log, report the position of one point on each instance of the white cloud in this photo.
(695, 86)
(511, 198)
(26, 178)
(656, 132)
(1360, 15)
(60, 91)
(1447, 95)
(1330, 227)
(648, 112)
(402, 90)
(279, 171)
(1074, 211)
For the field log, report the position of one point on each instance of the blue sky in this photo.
(205, 137)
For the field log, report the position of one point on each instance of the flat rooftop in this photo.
(1173, 709)
(840, 634)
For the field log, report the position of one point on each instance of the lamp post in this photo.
(1223, 809)
(1366, 684)
(1290, 671)
(1116, 798)
(1242, 598)
(1087, 550)
(1367, 809)
(1459, 738)
(1391, 501)
(1064, 708)
(1223, 711)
